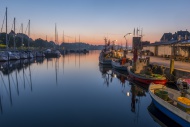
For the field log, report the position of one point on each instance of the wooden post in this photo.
(171, 66)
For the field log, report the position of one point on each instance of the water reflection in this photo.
(73, 90)
(15, 73)
(10, 73)
(161, 118)
(9, 66)
(135, 91)
(107, 74)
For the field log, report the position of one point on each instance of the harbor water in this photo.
(73, 91)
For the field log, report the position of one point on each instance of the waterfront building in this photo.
(177, 44)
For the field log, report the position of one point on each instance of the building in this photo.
(177, 44)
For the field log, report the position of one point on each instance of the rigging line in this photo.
(4, 84)
(3, 22)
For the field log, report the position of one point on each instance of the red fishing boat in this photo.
(147, 79)
(140, 70)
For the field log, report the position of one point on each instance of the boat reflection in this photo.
(121, 75)
(10, 66)
(131, 89)
(161, 118)
(11, 78)
(40, 60)
(137, 92)
(107, 74)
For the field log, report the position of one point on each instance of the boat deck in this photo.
(172, 95)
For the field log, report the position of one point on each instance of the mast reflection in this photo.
(9, 74)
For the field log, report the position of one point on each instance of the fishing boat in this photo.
(140, 70)
(104, 58)
(146, 78)
(171, 103)
(121, 64)
(109, 53)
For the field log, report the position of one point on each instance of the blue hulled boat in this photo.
(171, 103)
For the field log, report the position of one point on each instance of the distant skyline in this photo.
(95, 19)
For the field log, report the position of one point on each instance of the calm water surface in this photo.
(72, 91)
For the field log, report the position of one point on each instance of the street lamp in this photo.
(126, 39)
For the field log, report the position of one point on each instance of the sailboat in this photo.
(53, 53)
(23, 55)
(14, 55)
(30, 55)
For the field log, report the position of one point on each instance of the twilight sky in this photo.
(95, 19)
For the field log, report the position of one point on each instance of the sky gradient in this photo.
(95, 19)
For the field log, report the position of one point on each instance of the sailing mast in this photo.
(55, 33)
(63, 37)
(79, 42)
(6, 30)
(22, 33)
(79, 50)
(14, 33)
(28, 34)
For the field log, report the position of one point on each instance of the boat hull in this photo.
(3, 58)
(171, 115)
(105, 61)
(168, 109)
(145, 80)
(118, 66)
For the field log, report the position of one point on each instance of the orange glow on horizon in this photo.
(95, 40)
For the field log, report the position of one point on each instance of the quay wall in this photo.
(176, 73)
